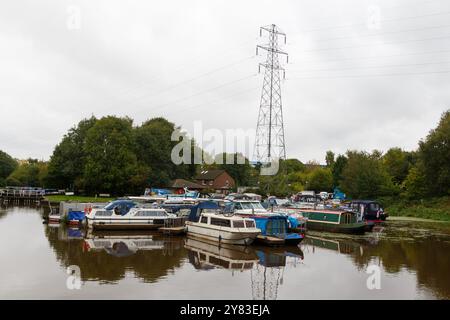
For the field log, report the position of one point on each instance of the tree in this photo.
(7, 166)
(338, 168)
(414, 184)
(31, 173)
(67, 163)
(365, 177)
(110, 162)
(397, 164)
(153, 148)
(320, 179)
(434, 155)
(329, 159)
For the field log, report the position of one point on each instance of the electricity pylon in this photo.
(270, 145)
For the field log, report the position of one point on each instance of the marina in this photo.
(413, 257)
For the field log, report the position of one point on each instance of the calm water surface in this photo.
(414, 259)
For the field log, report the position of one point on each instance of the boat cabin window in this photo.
(150, 214)
(374, 207)
(249, 224)
(204, 220)
(238, 224)
(221, 222)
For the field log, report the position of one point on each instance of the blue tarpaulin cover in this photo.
(76, 215)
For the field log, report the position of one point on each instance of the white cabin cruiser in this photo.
(205, 223)
(126, 214)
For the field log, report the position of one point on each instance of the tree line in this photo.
(111, 155)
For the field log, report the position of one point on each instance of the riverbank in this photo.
(432, 209)
(61, 198)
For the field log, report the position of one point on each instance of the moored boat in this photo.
(206, 223)
(126, 214)
(340, 221)
(368, 210)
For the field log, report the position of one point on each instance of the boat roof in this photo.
(221, 216)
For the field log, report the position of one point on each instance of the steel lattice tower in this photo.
(270, 144)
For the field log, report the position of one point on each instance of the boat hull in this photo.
(222, 236)
(354, 228)
(124, 224)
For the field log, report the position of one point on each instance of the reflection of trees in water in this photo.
(149, 265)
(428, 258)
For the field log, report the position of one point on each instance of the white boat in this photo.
(219, 227)
(247, 207)
(126, 214)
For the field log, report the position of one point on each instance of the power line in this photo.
(372, 75)
(383, 33)
(374, 67)
(179, 84)
(363, 24)
(383, 56)
(204, 91)
(198, 61)
(378, 44)
(218, 100)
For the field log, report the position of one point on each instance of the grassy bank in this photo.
(60, 198)
(434, 208)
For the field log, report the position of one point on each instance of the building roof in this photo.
(182, 183)
(209, 174)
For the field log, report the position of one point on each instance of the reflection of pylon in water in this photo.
(265, 282)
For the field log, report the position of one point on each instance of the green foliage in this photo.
(329, 159)
(66, 165)
(338, 168)
(29, 174)
(320, 180)
(431, 208)
(153, 147)
(365, 177)
(397, 164)
(434, 155)
(414, 185)
(110, 162)
(7, 165)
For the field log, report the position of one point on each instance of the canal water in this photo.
(401, 260)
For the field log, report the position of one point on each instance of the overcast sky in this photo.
(361, 75)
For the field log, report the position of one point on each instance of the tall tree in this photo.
(110, 162)
(320, 179)
(396, 161)
(67, 163)
(365, 177)
(153, 148)
(434, 155)
(338, 168)
(329, 159)
(7, 166)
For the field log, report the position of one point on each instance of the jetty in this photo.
(21, 195)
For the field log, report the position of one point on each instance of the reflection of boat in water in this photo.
(204, 255)
(339, 245)
(122, 244)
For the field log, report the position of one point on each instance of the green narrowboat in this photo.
(333, 221)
